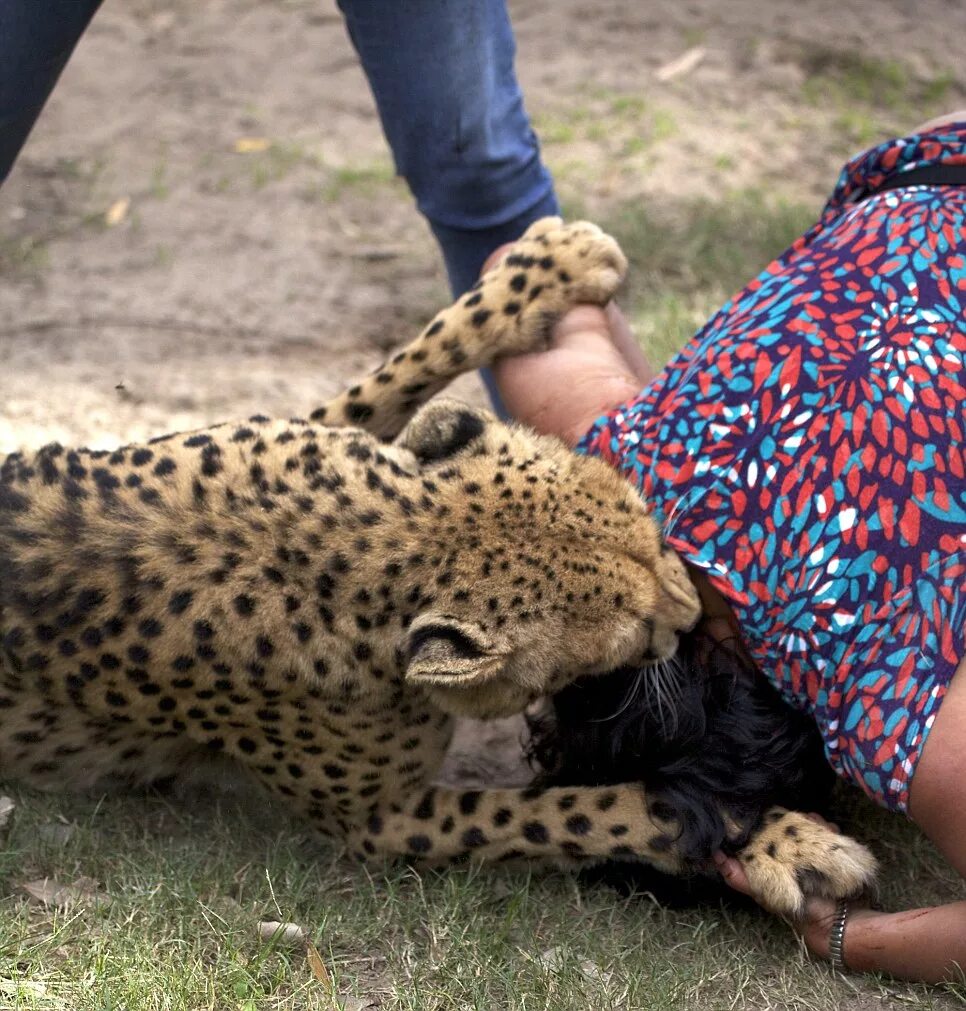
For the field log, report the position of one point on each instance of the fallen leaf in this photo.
(6, 809)
(354, 1003)
(117, 212)
(317, 966)
(53, 894)
(682, 64)
(56, 833)
(284, 933)
(596, 973)
(252, 145)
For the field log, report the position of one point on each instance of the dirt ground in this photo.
(205, 224)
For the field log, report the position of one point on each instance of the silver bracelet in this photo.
(836, 937)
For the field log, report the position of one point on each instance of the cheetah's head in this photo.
(550, 567)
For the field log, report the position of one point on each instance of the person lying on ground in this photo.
(806, 455)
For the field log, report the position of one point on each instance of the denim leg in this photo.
(441, 72)
(36, 40)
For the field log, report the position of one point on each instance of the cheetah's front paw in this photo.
(550, 269)
(793, 858)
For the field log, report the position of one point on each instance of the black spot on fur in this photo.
(536, 832)
(359, 413)
(180, 602)
(474, 837)
(578, 824)
(244, 605)
(480, 317)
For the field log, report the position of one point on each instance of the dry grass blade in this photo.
(251, 145)
(681, 65)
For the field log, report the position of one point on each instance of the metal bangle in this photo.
(836, 937)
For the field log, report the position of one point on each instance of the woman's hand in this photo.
(815, 928)
(592, 365)
(562, 390)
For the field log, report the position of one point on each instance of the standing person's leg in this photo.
(442, 75)
(36, 40)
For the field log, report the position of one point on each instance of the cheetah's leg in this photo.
(558, 826)
(512, 309)
(790, 859)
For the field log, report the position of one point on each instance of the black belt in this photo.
(926, 175)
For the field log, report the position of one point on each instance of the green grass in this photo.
(188, 880)
(871, 96)
(278, 161)
(365, 179)
(26, 255)
(688, 257)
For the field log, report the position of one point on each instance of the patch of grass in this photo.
(846, 75)
(23, 255)
(621, 121)
(363, 178)
(628, 106)
(278, 161)
(686, 259)
(159, 188)
(188, 881)
(870, 95)
(935, 92)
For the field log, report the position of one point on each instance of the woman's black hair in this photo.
(713, 743)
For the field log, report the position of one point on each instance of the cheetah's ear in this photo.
(442, 429)
(444, 651)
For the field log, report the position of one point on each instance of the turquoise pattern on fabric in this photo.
(807, 451)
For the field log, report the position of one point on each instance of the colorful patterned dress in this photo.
(806, 450)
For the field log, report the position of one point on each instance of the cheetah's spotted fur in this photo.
(317, 603)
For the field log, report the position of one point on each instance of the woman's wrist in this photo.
(562, 391)
(816, 928)
(820, 926)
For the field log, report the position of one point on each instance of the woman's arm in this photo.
(592, 365)
(921, 944)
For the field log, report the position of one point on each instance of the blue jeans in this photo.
(442, 75)
(36, 40)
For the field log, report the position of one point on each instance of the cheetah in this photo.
(317, 603)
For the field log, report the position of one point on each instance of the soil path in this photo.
(239, 280)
